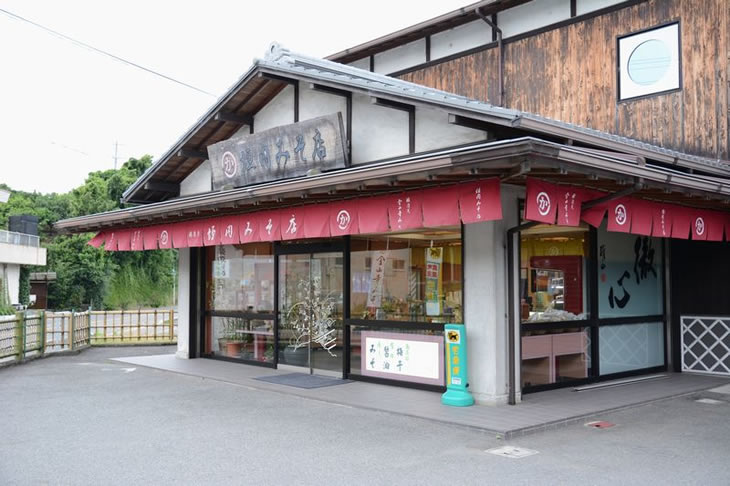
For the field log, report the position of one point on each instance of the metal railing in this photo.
(13, 238)
(30, 334)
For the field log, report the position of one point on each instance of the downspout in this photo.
(496, 29)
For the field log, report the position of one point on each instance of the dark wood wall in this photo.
(569, 74)
(699, 282)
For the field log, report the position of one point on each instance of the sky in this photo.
(66, 110)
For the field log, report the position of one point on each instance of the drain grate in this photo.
(600, 424)
(709, 401)
(512, 452)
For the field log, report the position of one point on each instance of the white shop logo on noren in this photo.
(543, 203)
(343, 219)
(621, 215)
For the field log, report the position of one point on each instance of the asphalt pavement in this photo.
(86, 420)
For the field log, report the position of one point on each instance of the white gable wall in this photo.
(317, 103)
(586, 6)
(433, 131)
(532, 15)
(363, 63)
(377, 132)
(461, 38)
(279, 111)
(401, 57)
(199, 181)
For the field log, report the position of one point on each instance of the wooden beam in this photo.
(233, 118)
(472, 123)
(395, 105)
(192, 154)
(166, 187)
(281, 79)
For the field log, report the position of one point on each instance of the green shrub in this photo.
(135, 287)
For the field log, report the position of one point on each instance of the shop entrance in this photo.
(310, 308)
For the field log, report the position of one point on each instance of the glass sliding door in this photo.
(310, 311)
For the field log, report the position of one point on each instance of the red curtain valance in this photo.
(442, 206)
(557, 204)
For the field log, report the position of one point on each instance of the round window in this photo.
(649, 62)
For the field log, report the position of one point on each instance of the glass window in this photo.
(628, 347)
(555, 356)
(415, 276)
(649, 62)
(242, 338)
(629, 275)
(241, 278)
(240, 302)
(553, 277)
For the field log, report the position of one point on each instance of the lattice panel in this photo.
(625, 345)
(706, 344)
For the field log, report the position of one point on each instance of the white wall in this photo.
(183, 303)
(401, 57)
(363, 63)
(585, 6)
(318, 103)
(433, 131)
(279, 111)
(377, 132)
(485, 303)
(461, 38)
(199, 180)
(22, 254)
(10, 274)
(532, 15)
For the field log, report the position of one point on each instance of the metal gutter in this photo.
(655, 153)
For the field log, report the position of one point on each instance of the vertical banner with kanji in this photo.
(434, 259)
(377, 275)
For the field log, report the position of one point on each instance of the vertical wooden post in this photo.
(139, 324)
(172, 324)
(155, 331)
(105, 313)
(71, 332)
(42, 336)
(19, 336)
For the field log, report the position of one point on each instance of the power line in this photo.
(105, 53)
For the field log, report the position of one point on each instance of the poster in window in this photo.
(629, 275)
(434, 260)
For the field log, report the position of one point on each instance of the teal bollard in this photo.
(456, 371)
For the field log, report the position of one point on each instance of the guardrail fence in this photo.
(29, 334)
(13, 238)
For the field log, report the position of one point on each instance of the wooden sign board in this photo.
(279, 153)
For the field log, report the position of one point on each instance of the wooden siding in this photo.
(569, 74)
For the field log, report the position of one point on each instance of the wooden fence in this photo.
(31, 334)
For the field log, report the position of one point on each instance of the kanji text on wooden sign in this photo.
(279, 153)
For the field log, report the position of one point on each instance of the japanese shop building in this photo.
(332, 218)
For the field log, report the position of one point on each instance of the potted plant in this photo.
(231, 340)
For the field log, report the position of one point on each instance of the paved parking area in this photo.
(87, 420)
(537, 412)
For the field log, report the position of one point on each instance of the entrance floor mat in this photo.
(301, 380)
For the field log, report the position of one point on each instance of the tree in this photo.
(87, 276)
